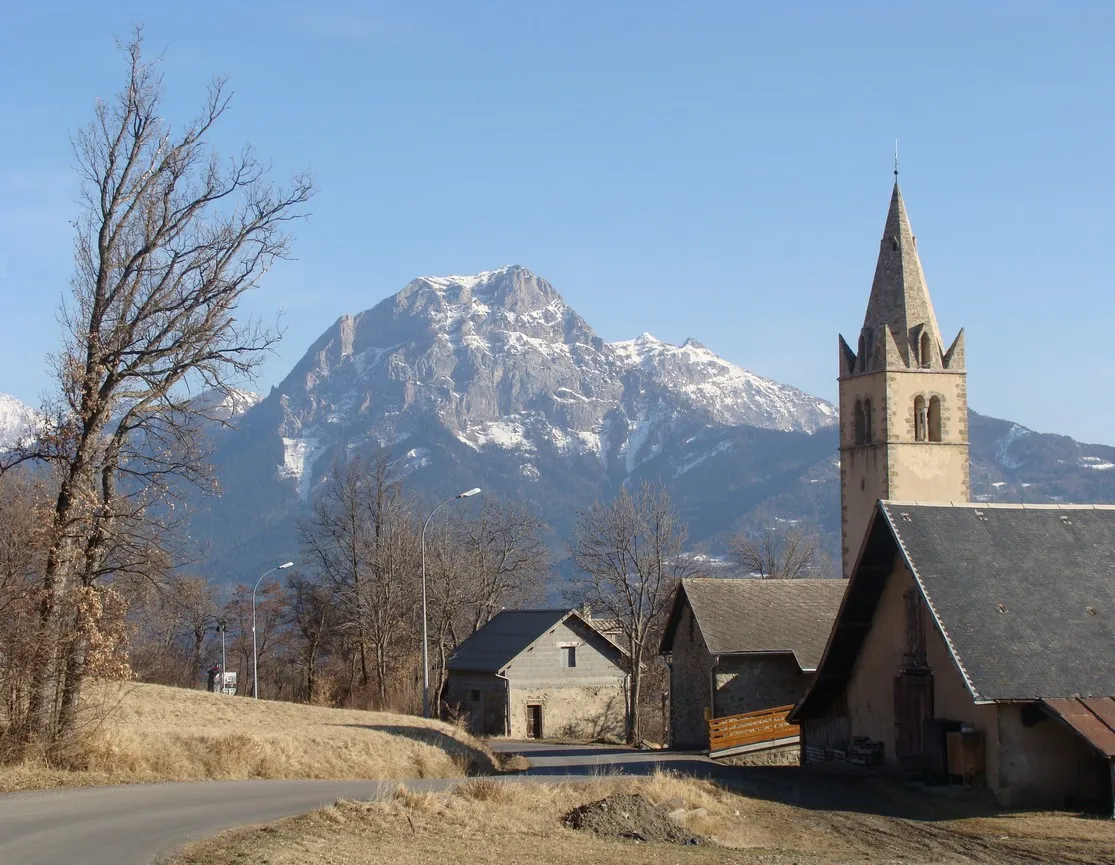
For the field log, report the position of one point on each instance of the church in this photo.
(975, 642)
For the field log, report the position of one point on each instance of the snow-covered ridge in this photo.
(466, 282)
(731, 394)
(17, 421)
(225, 406)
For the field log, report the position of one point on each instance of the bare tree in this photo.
(631, 554)
(507, 557)
(194, 602)
(361, 538)
(271, 632)
(24, 520)
(171, 619)
(168, 241)
(780, 555)
(310, 611)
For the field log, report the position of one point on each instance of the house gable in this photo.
(761, 617)
(545, 660)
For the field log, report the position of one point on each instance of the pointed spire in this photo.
(899, 296)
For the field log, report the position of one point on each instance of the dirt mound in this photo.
(631, 817)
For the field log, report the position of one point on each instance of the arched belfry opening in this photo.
(923, 354)
(868, 424)
(860, 424)
(934, 419)
(920, 419)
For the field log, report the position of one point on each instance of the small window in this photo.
(474, 695)
(867, 425)
(861, 425)
(933, 419)
(925, 348)
(919, 419)
(569, 656)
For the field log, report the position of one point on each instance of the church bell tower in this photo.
(903, 397)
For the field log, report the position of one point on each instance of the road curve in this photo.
(136, 824)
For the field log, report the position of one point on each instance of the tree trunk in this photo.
(74, 675)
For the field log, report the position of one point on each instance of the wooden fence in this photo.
(751, 731)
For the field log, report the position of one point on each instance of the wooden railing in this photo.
(752, 728)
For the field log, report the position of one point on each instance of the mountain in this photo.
(494, 381)
(16, 420)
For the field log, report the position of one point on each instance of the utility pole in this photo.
(221, 624)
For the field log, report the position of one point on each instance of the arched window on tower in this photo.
(920, 422)
(925, 346)
(860, 426)
(861, 358)
(934, 419)
(868, 435)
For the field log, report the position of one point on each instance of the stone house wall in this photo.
(479, 698)
(581, 702)
(744, 683)
(749, 683)
(690, 685)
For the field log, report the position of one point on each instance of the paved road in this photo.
(134, 825)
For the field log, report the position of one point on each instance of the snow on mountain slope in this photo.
(16, 420)
(225, 407)
(703, 381)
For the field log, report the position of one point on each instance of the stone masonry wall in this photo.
(754, 682)
(690, 669)
(581, 702)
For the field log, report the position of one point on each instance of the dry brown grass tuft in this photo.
(514, 763)
(156, 733)
(486, 790)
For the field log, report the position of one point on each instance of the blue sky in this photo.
(709, 170)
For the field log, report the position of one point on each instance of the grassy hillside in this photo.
(133, 732)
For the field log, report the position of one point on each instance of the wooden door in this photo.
(534, 721)
(913, 718)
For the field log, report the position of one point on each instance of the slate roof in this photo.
(742, 616)
(506, 636)
(1024, 596)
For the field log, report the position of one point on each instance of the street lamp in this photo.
(425, 637)
(255, 657)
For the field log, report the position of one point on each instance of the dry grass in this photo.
(155, 733)
(503, 822)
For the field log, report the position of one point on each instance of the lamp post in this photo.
(425, 637)
(255, 657)
(221, 623)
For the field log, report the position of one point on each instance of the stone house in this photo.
(977, 641)
(535, 674)
(740, 645)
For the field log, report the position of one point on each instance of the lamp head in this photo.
(468, 493)
(287, 565)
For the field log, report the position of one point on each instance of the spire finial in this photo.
(896, 160)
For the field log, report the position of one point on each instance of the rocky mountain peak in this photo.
(500, 360)
(17, 420)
